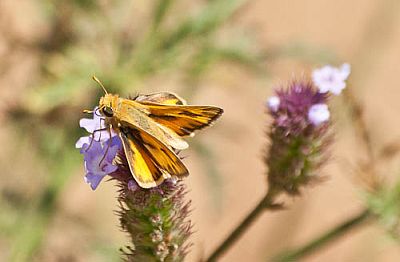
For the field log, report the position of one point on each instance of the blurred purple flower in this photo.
(294, 105)
(273, 103)
(331, 79)
(318, 114)
(299, 137)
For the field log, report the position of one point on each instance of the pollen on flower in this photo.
(331, 79)
(318, 114)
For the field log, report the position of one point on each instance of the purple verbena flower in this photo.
(99, 160)
(96, 125)
(318, 114)
(99, 150)
(273, 103)
(298, 135)
(331, 79)
(295, 104)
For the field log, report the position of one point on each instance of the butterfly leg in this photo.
(108, 145)
(101, 129)
(92, 136)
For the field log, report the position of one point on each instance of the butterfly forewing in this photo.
(183, 119)
(129, 113)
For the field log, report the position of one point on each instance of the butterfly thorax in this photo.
(109, 100)
(116, 110)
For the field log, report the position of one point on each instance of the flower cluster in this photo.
(300, 130)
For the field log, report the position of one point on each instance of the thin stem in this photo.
(360, 125)
(265, 203)
(324, 239)
(160, 11)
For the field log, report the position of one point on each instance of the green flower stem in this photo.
(265, 203)
(324, 239)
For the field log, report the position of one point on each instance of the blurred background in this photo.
(230, 53)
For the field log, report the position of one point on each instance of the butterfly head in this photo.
(107, 104)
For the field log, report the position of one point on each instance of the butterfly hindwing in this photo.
(143, 169)
(150, 161)
(165, 98)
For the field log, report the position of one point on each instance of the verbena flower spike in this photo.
(299, 141)
(299, 136)
(299, 133)
(155, 219)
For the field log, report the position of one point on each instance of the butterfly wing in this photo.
(150, 161)
(165, 98)
(183, 119)
(133, 112)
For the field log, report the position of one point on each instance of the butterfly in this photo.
(151, 128)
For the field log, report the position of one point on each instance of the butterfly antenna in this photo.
(98, 81)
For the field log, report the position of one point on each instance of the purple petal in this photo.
(273, 103)
(93, 180)
(116, 141)
(89, 124)
(345, 70)
(84, 148)
(91, 152)
(112, 152)
(81, 141)
(318, 114)
(331, 79)
(337, 89)
(109, 168)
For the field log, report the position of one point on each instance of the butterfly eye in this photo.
(107, 111)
